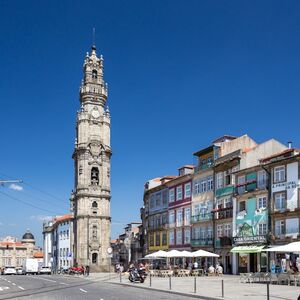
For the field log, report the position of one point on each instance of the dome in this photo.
(28, 236)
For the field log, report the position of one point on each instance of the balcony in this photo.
(201, 218)
(224, 191)
(223, 213)
(201, 242)
(223, 242)
(203, 167)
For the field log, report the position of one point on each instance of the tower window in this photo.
(94, 204)
(94, 232)
(94, 74)
(94, 258)
(95, 176)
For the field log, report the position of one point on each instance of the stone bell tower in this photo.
(91, 196)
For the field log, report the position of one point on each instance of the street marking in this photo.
(83, 290)
(63, 283)
(13, 284)
(9, 281)
(4, 288)
(21, 288)
(45, 279)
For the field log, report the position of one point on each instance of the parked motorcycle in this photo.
(137, 275)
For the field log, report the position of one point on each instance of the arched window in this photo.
(94, 258)
(94, 204)
(95, 176)
(94, 74)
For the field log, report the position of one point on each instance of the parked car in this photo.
(9, 271)
(45, 270)
(20, 271)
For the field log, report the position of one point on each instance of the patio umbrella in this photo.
(289, 248)
(203, 253)
(186, 254)
(157, 254)
(174, 253)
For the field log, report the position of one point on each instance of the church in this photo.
(90, 199)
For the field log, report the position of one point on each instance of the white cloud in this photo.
(41, 218)
(16, 187)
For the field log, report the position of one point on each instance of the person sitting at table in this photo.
(195, 265)
(219, 270)
(211, 270)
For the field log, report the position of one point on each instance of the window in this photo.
(179, 218)
(279, 174)
(196, 210)
(227, 177)
(94, 74)
(209, 232)
(210, 183)
(171, 218)
(262, 229)
(261, 179)
(95, 176)
(164, 219)
(292, 227)
(219, 231)
(280, 201)
(187, 216)
(151, 239)
(227, 202)
(196, 187)
(171, 195)
(279, 228)
(219, 180)
(179, 193)
(187, 236)
(187, 190)
(164, 239)
(242, 206)
(94, 232)
(157, 239)
(262, 202)
(227, 230)
(241, 184)
(152, 201)
(196, 233)
(178, 237)
(94, 204)
(94, 258)
(157, 199)
(203, 186)
(164, 197)
(171, 237)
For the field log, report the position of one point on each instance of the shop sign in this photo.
(245, 240)
(286, 185)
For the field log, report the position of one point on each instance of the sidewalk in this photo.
(210, 287)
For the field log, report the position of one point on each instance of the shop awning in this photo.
(247, 249)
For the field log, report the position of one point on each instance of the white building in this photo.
(58, 242)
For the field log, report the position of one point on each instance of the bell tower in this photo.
(91, 196)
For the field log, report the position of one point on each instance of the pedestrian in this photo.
(195, 265)
(87, 270)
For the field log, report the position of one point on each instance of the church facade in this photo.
(90, 200)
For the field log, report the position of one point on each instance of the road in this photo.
(57, 287)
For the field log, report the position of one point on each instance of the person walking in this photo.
(87, 270)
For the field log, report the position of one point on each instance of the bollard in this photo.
(120, 276)
(170, 285)
(195, 285)
(150, 280)
(268, 291)
(222, 288)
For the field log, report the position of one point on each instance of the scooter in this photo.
(137, 275)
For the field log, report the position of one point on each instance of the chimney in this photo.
(290, 145)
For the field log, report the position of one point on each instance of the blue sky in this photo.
(180, 74)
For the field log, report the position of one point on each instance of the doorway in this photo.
(253, 262)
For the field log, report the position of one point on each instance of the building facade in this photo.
(13, 253)
(91, 196)
(58, 242)
(180, 198)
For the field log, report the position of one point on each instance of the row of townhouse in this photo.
(239, 197)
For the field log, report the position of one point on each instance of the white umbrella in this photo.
(289, 248)
(203, 253)
(157, 254)
(174, 253)
(186, 254)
